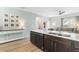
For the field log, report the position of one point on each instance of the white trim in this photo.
(11, 40)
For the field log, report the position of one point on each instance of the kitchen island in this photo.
(55, 41)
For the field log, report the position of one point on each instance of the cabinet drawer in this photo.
(47, 45)
(76, 44)
(63, 40)
(76, 50)
(47, 36)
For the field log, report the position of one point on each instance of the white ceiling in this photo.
(50, 11)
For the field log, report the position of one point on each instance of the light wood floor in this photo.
(23, 45)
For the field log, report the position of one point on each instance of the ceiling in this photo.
(50, 11)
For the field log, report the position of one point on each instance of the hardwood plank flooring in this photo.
(23, 45)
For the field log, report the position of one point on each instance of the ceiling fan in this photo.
(61, 12)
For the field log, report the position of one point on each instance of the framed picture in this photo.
(6, 25)
(17, 25)
(5, 20)
(12, 16)
(12, 25)
(12, 20)
(17, 16)
(6, 15)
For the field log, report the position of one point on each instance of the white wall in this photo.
(28, 17)
(40, 21)
(55, 22)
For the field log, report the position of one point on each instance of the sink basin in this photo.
(52, 33)
(66, 35)
(60, 34)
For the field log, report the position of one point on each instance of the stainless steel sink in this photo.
(52, 33)
(66, 35)
(59, 34)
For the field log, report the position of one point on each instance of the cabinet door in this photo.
(75, 50)
(32, 37)
(52, 46)
(47, 44)
(75, 46)
(39, 40)
(62, 45)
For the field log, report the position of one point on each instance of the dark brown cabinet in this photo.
(56, 44)
(62, 45)
(75, 46)
(47, 43)
(32, 37)
(50, 43)
(37, 39)
(59, 47)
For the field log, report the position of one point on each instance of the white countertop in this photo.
(8, 32)
(73, 36)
